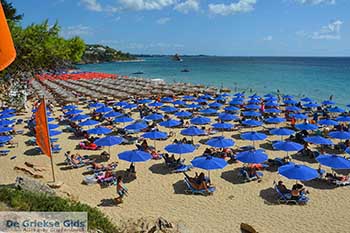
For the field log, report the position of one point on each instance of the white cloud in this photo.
(242, 6)
(92, 5)
(316, 2)
(267, 38)
(328, 32)
(146, 4)
(187, 6)
(77, 30)
(163, 20)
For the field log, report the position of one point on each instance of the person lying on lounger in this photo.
(100, 166)
(298, 190)
(77, 159)
(282, 188)
(199, 182)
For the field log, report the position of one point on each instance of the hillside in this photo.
(99, 53)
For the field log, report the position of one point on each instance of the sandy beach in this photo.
(156, 192)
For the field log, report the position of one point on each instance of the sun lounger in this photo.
(189, 189)
(182, 168)
(101, 179)
(4, 152)
(91, 147)
(246, 178)
(112, 167)
(286, 198)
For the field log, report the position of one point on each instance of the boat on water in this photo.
(138, 72)
(176, 57)
(185, 70)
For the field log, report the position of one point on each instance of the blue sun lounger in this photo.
(190, 190)
(286, 198)
(4, 152)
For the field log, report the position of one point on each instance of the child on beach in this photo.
(121, 190)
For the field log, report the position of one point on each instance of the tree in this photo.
(10, 11)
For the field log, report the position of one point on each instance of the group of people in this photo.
(297, 191)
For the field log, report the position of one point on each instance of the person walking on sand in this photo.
(121, 190)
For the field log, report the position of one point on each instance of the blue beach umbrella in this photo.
(222, 126)
(113, 114)
(287, 146)
(137, 126)
(103, 109)
(88, 123)
(220, 142)
(288, 97)
(298, 172)
(144, 101)
(251, 114)
(4, 139)
(209, 163)
(275, 120)
(334, 161)
(253, 102)
(327, 122)
(227, 117)
(99, 130)
(272, 110)
(271, 104)
(69, 107)
(134, 156)
(236, 102)
(170, 123)
(306, 126)
(155, 135)
(200, 120)
(167, 99)
(318, 140)
(293, 109)
(7, 115)
(5, 129)
(252, 156)
(123, 119)
(183, 114)
(343, 118)
(79, 117)
(53, 126)
(154, 117)
(336, 110)
(95, 105)
(54, 133)
(192, 131)
(342, 135)
(130, 106)
(188, 98)
(168, 109)
(155, 104)
(193, 106)
(121, 104)
(74, 112)
(231, 109)
(8, 111)
(299, 116)
(215, 105)
(178, 102)
(201, 101)
(109, 141)
(311, 105)
(208, 111)
(290, 102)
(306, 99)
(252, 106)
(328, 102)
(253, 136)
(180, 148)
(282, 131)
(7, 122)
(252, 123)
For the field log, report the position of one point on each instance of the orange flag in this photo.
(42, 129)
(7, 49)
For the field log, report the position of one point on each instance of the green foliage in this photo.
(98, 53)
(27, 201)
(10, 11)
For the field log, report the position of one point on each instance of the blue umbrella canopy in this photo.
(306, 99)
(215, 105)
(299, 116)
(113, 114)
(336, 110)
(252, 123)
(275, 120)
(134, 156)
(192, 131)
(251, 114)
(327, 122)
(7, 122)
(220, 142)
(343, 118)
(288, 97)
(200, 120)
(178, 102)
(227, 117)
(168, 109)
(155, 104)
(334, 161)
(253, 102)
(236, 102)
(293, 109)
(136, 126)
(306, 126)
(103, 109)
(193, 106)
(79, 117)
(144, 101)
(253, 136)
(311, 105)
(53, 126)
(88, 123)
(180, 148)
(121, 104)
(318, 140)
(231, 109)
(252, 156)
(155, 135)
(170, 123)
(54, 133)
(95, 105)
(222, 126)
(4, 139)
(154, 117)
(290, 101)
(74, 112)
(282, 131)
(188, 97)
(328, 102)
(298, 172)
(287, 146)
(109, 141)
(7, 115)
(5, 129)
(272, 110)
(208, 111)
(209, 163)
(167, 99)
(201, 101)
(129, 106)
(69, 107)
(123, 119)
(99, 130)
(8, 111)
(183, 114)
(340, 135)
(251, 106)
(271, 104)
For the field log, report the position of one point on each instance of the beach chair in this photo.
(286, 198)
(70, 163)
(4, 152)
(85, 147)
(102, 180)
(112, 166)
(189, 189)
(245, 176)
(182, 168)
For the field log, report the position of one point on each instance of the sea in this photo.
(319, 78)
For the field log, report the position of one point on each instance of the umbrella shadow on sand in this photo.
(236, 136)
(32, 152)
(179, 187)
(269, 196)
(232, 176)
(159, 168)
(303, 158)
(319, 184)
(266, 146)
(127, 178)
(108, 202)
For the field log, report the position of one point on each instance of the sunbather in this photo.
(298, 190)
(121, 190)
(282, 188)
(199, 182)
(77, 159)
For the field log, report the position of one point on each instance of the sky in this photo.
(218, 27)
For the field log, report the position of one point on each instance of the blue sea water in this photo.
(317, 78)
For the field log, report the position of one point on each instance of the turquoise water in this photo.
(317, 78)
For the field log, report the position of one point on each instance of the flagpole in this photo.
(47, 127)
